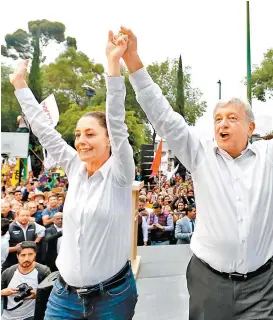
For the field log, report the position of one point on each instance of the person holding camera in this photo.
(19, 284)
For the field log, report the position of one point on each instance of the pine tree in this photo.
(35, 80)
(180, 98)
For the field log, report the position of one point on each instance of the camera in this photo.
(24, 291)
(141, 209)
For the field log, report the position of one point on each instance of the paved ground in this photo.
(161, 283)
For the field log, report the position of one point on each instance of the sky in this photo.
(210, 36)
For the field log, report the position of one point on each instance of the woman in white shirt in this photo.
(96, 280)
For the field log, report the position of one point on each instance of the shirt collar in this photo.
(226, 155)
(104, 169)
(20, 225)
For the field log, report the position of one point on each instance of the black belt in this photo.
(108, 284)
(239, 276)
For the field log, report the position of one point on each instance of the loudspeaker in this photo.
(146, 161)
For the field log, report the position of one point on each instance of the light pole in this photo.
(248, 58)
(249, 95)
(220, 89)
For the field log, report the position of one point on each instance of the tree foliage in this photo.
(180, 98)
(10, 108)
(67, 74)
(35, 80)
(21, 43)
(262, 78)
(29, 45)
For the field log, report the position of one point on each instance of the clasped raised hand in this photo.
(116, 46)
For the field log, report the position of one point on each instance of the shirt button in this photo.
(238, 198)
(244, 240)
(240, 219)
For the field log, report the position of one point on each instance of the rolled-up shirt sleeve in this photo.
(168, 124)
(122, 152)
(170, 225)
(49, 138)
(40, 230)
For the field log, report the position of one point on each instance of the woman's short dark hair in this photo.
(100, 116)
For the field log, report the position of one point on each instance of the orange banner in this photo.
(157, 160)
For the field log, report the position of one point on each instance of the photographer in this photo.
(19, 284)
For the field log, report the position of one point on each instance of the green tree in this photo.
(35, 80)
(10, 108)
(180, 99)
(67, 74)
(30, 45)
(262, 78)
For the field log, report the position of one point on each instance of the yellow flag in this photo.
(16, 173)
(5, 167)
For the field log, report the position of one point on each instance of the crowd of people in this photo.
(167, 212)
(31, 235)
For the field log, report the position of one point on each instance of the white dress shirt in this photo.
(97, 210)
(146, 223)
(234, 197)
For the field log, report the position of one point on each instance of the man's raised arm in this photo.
(167, 123)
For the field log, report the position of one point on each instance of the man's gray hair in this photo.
(239, 102)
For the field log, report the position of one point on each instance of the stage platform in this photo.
(161, 283)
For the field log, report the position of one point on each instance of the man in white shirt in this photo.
(144, 215)
(230, 275)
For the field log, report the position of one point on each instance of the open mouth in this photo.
(224, 135)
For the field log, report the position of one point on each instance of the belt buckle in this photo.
(83, 291)
(237, 276)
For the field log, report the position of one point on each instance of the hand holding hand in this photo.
(130, 56)
(116, 46)
(18, 78)
(132, 43)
